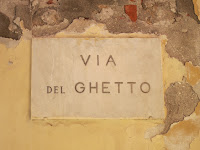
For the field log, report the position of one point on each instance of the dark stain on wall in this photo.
(4, 28)
(187, 6)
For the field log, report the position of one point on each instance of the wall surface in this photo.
(173, 21)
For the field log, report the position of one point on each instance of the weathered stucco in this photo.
(170, 20)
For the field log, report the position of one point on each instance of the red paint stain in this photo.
(131, 11)
(50, 2)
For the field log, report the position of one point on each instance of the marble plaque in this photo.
(97, 78)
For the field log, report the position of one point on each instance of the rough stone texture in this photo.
(184, 45)
(4, 28)
(47, 30)
(79, 25)
(105, 13)
(46, 16)
(80, 8)
(187, 6)
(157, 13)
(13, 9)
(180, 101)
(24, 13)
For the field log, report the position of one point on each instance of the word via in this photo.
(110, 60)
(103, 87)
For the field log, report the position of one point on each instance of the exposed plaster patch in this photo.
(184, 46)
(24, 13)
(53, 14)
(79, 26)
(46, 16)
(157, 13)
(51, 17)
(105, 14)
(80, 8)
(151, 3)
(47, 30)
(89, 28)
(180, 101)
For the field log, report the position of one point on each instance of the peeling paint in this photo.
(174, 70)
(180, 101)
(90, 28)
(193, 73)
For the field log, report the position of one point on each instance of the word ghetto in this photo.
(104, 87)
(100, 87)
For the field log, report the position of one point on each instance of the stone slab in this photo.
(97, 78)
